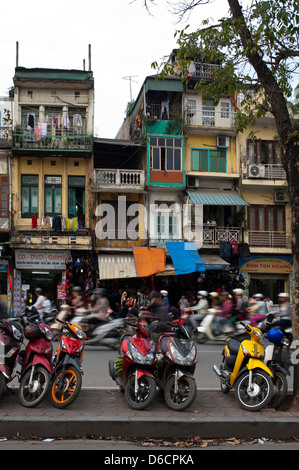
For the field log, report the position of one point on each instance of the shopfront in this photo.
(267, 275)
(45, 269)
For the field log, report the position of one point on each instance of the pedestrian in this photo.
(269, 304)
(285, 310)
(183, 303)
(140, 299)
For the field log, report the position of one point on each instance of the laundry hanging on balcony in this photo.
(185, 257)
(149, 261)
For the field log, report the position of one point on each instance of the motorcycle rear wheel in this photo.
(261, 394)
(146, 392)
(63, 395)
(32, 395)
(187, 390)
(2, 384)
(280, 390)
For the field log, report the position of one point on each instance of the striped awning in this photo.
(219, 198)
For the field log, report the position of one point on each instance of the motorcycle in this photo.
(205, 331)
(277, 358)
(244, 371)
(133, 370)
(176, 362)
(67, 375)
(106, 333)
(36, 363)
(11, 338)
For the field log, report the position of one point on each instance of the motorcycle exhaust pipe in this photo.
(218, 372)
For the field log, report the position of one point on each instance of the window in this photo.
(191, 107)
(167, 220)
(224, 109)
(264, 152)
(53, 195)
(4, 207)
(166, 154)
(76, 199)
(266, 218)
(29, 196)
(209, 160)
(208, 113)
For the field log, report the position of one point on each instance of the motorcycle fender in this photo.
(141, 372)
(43, 361)
(5, 371)
(257, 364)
(73, 361)
(281, 369)
(180, 373)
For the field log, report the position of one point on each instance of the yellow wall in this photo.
(42, 166)
(205, 142)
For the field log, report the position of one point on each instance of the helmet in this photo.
(39, 291)
(258, 296)
(275, 335)
(203, 293)
(100, 291)
(238, 291)
(164, 292)
(33, 332)
(283, 295)
(76, 289)
(213, 294)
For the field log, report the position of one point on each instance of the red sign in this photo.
(60, 292)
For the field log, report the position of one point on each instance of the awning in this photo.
(219, 198)
(213, 261)
(149, 261)
(185, 257)
(116, 266)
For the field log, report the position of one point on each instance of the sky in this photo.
(125, 39)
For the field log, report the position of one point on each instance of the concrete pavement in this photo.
(105, 413)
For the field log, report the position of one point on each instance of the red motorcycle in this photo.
(11, 338)
(67, 377)
(36, 364)
(133, 370)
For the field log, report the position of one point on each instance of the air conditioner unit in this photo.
(281, 196)
(256, 171)
(222, 142)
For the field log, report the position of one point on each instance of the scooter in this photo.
(106, 333)
(67, 376)
(11, 338)
(205, 331)
(277, 358)
(176, 361)
(133, 370)
(36, 364)
(243, 370)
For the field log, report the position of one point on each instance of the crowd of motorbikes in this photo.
(149, 359)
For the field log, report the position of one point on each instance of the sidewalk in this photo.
(106, 413)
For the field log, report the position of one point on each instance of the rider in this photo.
(101, 307)
(258, 310)
(201, 307)
(285, 310)
(39, 303)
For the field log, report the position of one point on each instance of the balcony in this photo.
(268, 239)
(124, 180)
(52, 143)
(209, 116)
(264, 172)
(213, 235)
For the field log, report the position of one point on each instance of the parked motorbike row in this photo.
(40, 371)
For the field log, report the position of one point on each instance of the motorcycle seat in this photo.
(233, 345)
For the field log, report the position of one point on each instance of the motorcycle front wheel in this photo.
(65, 389)
(145, 393)
(260, 393)
(185, 395)
(31, 394)
(280, 390)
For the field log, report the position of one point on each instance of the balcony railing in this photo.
(264, 171)
(50, 142)
(209, 116)
(111, 179)
(215, 235)
(268, 239)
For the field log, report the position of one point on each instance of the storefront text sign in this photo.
(266, 265)
(26, 259)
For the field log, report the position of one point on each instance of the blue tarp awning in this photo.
(185, 257)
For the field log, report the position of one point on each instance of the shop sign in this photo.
(266, 265)
(26, 259)
(60, 292)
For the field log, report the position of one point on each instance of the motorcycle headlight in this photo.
(139, 358)
(178, 358)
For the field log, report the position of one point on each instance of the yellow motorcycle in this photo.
(244, 371)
